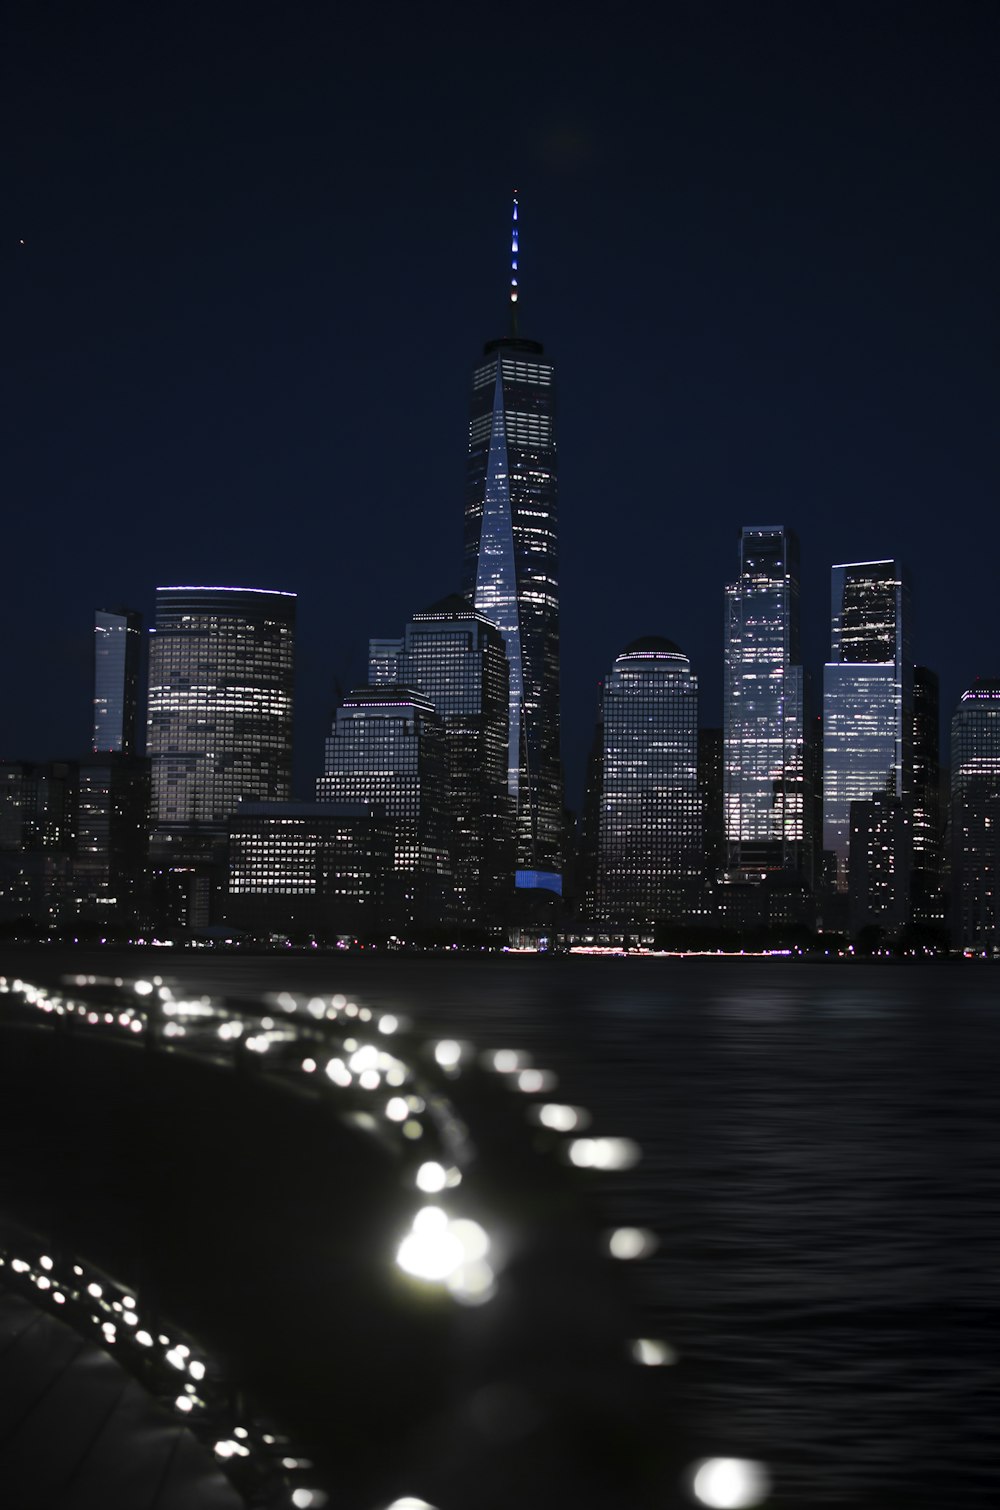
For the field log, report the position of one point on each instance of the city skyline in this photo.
(761, 257)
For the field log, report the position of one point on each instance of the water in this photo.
(821, 1166)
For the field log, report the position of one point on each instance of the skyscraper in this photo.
(927, 895)
(649, 861)
(220, 703)
(867, 699)
(456, 657)
(386, 750)
(975, 818)
(765, 805)
(512, 571)
(117, 647)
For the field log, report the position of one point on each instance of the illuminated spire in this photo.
(513, 269)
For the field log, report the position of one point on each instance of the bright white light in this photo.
(184, 1402)
(506, 1061)
(653, 1353)
(144, 988)
(409, 1502)
(730, 1483)
(364, 1058)
(388, 1023)
(397, 1110)
(473, 1284)
(309, 1065)
(431, 1177)
(196, 1369)
(45, 1261)
(448, 1053)
(475, 1243)
(631, 1242)
(144, 1338)
(94, 1290)
(604, 1153)
(533, 1081)
(338, 1072)
(561, 1118)
(430, 1251)
(302, 1499)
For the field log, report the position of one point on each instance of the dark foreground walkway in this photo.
(261, 1211)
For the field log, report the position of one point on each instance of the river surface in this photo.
(821, 1165)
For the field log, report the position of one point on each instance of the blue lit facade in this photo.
(117, 648)
(512, 574)
(867, 699)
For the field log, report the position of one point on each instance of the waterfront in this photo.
(820, 1166)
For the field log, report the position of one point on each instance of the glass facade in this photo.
(764, 789)
(650, 838)
(457, 659)
(221, 667)
(867, 699)
(386, 750)
(512, 574)
(975, 818)
(117, 648)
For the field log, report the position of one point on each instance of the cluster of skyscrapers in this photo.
(440, 809)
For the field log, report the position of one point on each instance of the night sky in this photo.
(251, 253)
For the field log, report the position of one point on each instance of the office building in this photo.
(315, 869)
(511, 571)
(457, 659)
(975, 819)
(219, 731)
(765, 800)
(867, 701)
(221, 666)
(386, 751)
(650, 841)
(117, 650)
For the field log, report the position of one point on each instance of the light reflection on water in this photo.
(821, 1167)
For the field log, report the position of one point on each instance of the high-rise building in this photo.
(456, 658)
(221, 667)
(219, 730)
(927, 894)
(386, 750)
(649, 860)
(867, 700)
(975, 818)
(117, 648)
(711, 765)
(765, 799)
(512, 571)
